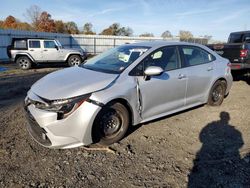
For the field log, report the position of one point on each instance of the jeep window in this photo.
(49, 44)
(116, 60)
(20, 44)
(34, 44)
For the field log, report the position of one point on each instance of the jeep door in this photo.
(51, 51)
(35, 50)
(166, 92)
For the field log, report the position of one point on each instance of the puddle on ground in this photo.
(2, 69)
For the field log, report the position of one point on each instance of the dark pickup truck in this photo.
(237, 50)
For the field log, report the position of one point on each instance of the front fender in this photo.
(72, 53)
(125, 90)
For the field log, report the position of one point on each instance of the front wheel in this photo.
(74, 60)
(111, 124)
(217, 93)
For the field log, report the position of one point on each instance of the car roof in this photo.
(240, 32)
(161, 43)
(28, 38)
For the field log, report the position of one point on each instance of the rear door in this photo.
(35, 50)
(199, 66)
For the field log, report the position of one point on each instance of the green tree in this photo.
(60, 26)
(146, 35)
(88, 29)
(71, 28)
(117, 30)
(125, 31)
(166, 34)
(185, 35)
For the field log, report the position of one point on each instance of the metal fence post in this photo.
(95, 46)
(114, 42)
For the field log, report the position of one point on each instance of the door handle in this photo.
(210, 68)
(45, 50)
(181, 76)
(32, 50)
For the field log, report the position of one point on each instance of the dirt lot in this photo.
(202, 147)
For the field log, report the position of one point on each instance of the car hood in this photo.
(71, 82)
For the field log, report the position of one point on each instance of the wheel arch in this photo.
(216, 80)
(219, 79)
(70, 54)
(25, 55)
(125, 103)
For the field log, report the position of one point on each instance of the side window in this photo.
(196, 56)
(49, 44)
(166, 58)
(246, 37)
(34, 44)
(20, 44)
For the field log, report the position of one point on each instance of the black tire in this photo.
(217, 93)
(111, 124)
(24, 62)
(74, 60)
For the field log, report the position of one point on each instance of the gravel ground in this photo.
(202, 147)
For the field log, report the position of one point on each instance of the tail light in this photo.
(243, 53)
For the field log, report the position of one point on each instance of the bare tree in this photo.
(32, 14)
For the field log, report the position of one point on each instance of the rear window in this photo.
(34, 44)
(235, 38)
(20, 44)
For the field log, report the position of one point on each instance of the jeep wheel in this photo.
(24, 62)
(74, 60)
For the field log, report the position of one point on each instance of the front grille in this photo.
(38, 133)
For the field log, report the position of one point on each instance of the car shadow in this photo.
(241, 76)
(218, 163)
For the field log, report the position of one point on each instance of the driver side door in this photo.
(51, 51)
(166, 92)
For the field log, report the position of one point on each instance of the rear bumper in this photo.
(239, 66)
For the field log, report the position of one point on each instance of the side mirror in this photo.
(153, 71)
(56, 47)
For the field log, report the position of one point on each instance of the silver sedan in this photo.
(125, 86)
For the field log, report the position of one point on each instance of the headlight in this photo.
(63, 107)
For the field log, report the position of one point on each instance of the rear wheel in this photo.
(111, 124)
(217, 93)
(74, 60)
(24, 62)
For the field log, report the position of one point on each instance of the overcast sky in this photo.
(202, 17)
